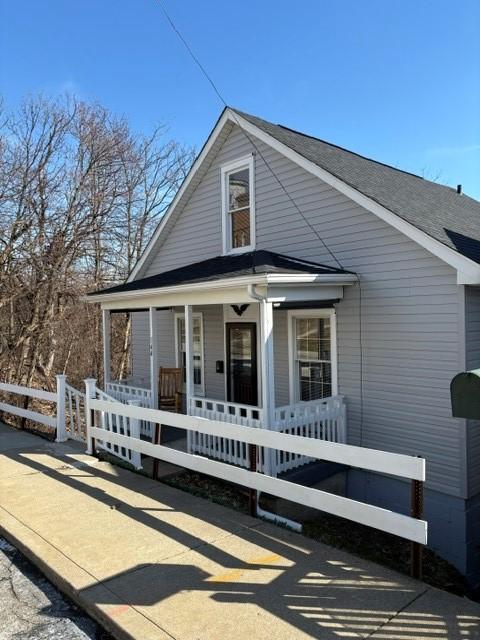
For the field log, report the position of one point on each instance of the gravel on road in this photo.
(31, 608)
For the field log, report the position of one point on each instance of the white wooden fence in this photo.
(226, 449)
(323, 419)
(379, 461)
(56, 421)
(113, 422)
(125, 393)
(75, 419)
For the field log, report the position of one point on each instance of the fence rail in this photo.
(40, 394)
(384, 462)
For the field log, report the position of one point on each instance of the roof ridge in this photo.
(355, 153)
(337, 146)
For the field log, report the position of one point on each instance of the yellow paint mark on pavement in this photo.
(235, 574)
(272, 558)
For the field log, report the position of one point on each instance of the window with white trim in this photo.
(238, 219)
(313, 356)
(181, 360)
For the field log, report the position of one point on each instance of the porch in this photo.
(322, 419)
(256, 353)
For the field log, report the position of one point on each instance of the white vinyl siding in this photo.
(410, 309)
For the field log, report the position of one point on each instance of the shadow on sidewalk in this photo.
(318, 591)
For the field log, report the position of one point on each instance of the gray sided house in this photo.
(315, 282)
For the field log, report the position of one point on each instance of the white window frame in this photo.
(292, 376)
(246, 162)
(199, 389)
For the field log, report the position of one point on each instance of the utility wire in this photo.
(193, 56)
(284, 189)
(253, 143)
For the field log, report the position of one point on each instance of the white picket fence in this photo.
(231, 451)
(323, 419)
(112, 422)
(399, 465)
(75, 419)
(125, 393)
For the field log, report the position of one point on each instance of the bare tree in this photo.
(80, 195)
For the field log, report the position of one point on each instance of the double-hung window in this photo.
(238, 220)
(312, 355)
(198, 369)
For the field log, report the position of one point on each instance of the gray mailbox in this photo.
(465, 393)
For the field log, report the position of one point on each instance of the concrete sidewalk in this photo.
(150, 562)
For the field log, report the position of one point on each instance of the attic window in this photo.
(238, 220)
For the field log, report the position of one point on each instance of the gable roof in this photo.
(436, 209)
(229, 266)
(442, 221)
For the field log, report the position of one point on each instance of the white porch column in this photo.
(106, 328)
(189, 354)
(153, 327)
(268, 380)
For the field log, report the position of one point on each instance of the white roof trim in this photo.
(468, 271)
(325, 279)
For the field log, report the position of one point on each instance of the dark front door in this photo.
(242, 362)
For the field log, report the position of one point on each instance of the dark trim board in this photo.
(321, 304)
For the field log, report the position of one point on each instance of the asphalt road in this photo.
(31, 608)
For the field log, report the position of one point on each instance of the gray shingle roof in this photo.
(436, 209)
(229, 266)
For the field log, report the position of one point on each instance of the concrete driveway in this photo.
(151, 562)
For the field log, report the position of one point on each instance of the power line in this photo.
(190, 51)
(253, 143)
(297, 208)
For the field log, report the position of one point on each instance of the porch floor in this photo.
(149, 561)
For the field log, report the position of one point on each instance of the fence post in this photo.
(61, 435)
(416, 552)
(343, 411)
(136, 458)
(90, 392)
(253, 495)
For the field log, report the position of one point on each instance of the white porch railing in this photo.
(126, 392)
(323, 419)
(115, 423)
(75, 422)
(222, 448)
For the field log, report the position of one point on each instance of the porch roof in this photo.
(252, 266)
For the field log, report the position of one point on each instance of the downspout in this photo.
(261, 513)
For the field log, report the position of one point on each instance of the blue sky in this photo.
(395, 80)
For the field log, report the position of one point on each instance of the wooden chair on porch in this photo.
(170, 385)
